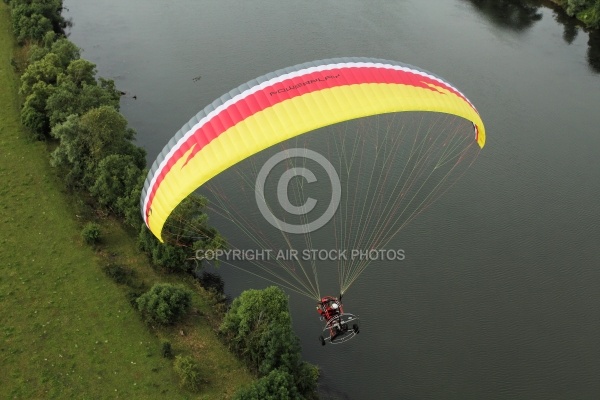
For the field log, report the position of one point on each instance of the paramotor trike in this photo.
(340, 326)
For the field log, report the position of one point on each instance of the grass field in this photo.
(66, 329)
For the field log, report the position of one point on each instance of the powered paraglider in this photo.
(399, 136)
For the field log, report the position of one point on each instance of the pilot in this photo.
(328, 307)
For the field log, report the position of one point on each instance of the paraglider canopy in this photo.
(284, 104)
(399, 137)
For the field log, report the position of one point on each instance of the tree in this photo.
(36, 53)
(66, 50)
(72, 97)
(63, 102)
(39, 85)
(33, 114)
(32, 27)
(82, 72)
(106, 133)
(62, 47)
(45, 70)
(258, 327)
(164, 255)
(71, 155)
(164, 303)
(87, 140)
(49, 38)
(116, 176)
(277, 385)
(187, 223)
(33, 18)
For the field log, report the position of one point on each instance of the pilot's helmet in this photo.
(334, 306)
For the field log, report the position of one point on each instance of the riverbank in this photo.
(68, 330)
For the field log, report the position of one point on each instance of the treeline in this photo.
(587, 11)
(93, 151)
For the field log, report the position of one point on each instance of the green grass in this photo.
(66, 329)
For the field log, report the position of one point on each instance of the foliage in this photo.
(572, 7)
(37, 52)
(76, 93)
(115, 176)
(104, 132)
(258, 328)
(68, 82)
(590, 15)
(33, 18)
(33, 114)
(58, 85)
(44, 70)
(163, 255)
(91, 233)
(32, 27)
(47, 64)
(277, 385)
(129, 205)
(306, 378)
(85, 141)
(66, 51)
(186, 232)
(81, 72)
(189, 372)
(255, 326)
(60, 46)
(39, 83)
(165, 303)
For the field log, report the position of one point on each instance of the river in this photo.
(498, 297)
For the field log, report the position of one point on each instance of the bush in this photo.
(166, 349)
(188, 370)
(164, 303)
(91, 233)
